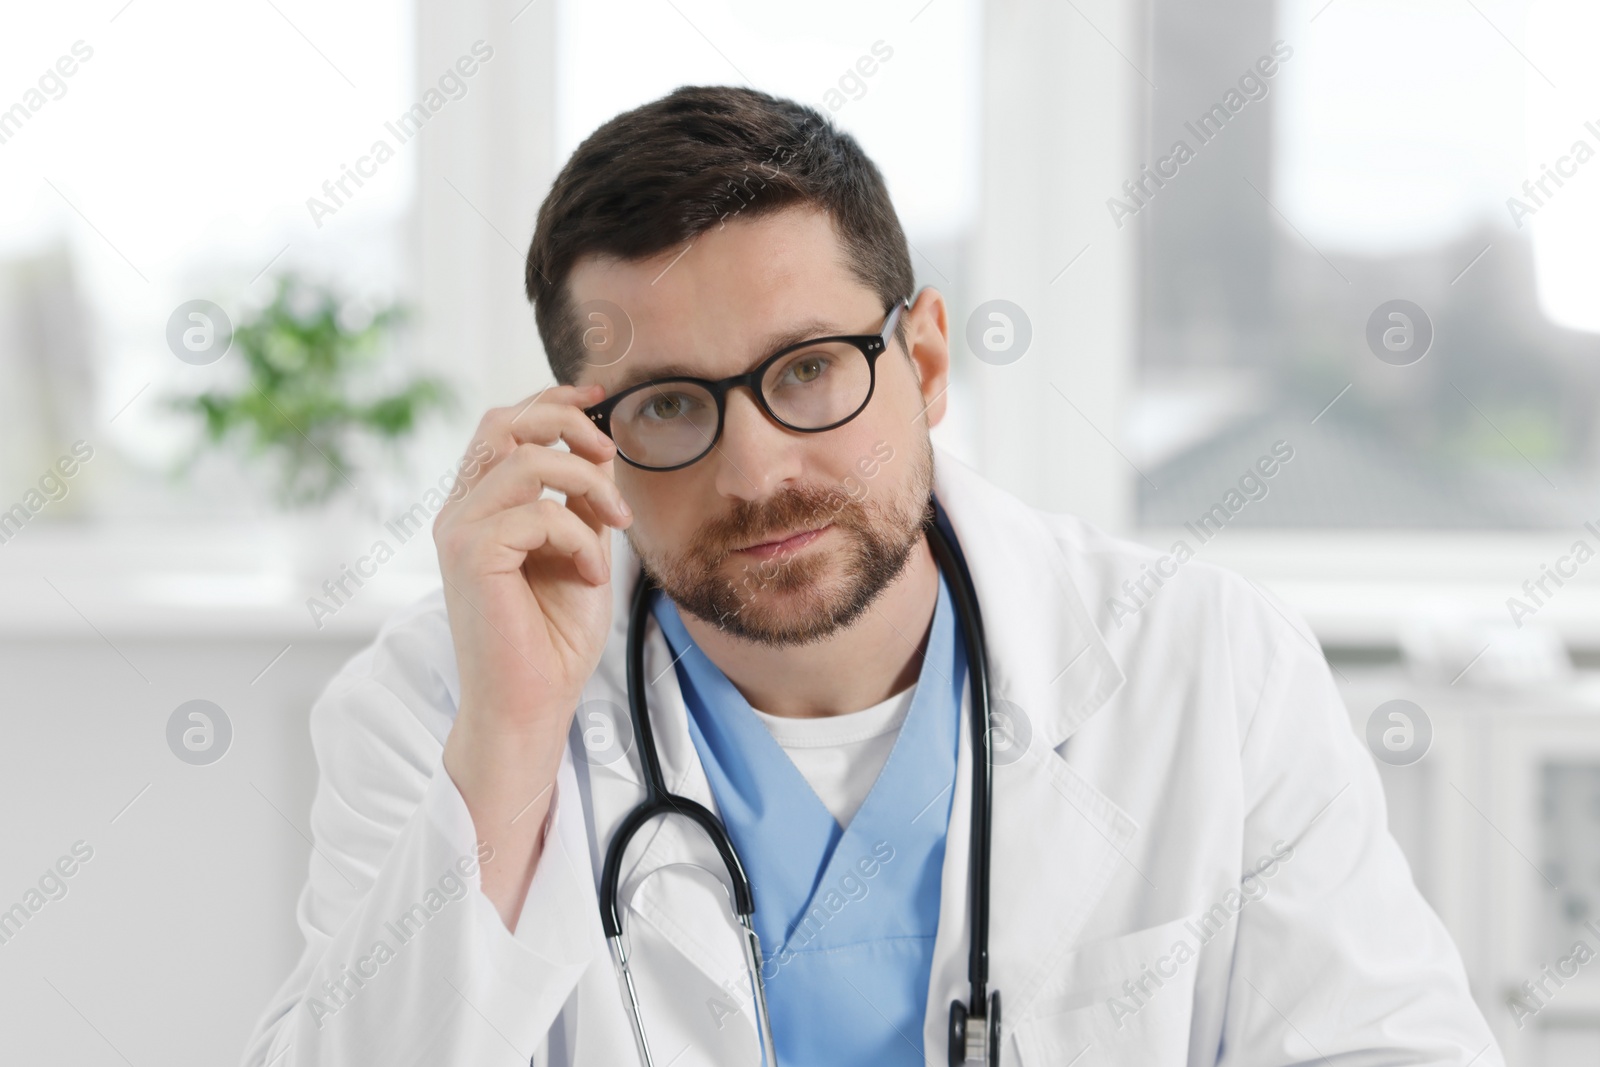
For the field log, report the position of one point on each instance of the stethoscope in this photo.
(975, 1025)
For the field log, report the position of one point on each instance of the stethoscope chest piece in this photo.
(975, 1038)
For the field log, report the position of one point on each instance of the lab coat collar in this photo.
(1046, 656)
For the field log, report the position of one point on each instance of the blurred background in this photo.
(260, 273)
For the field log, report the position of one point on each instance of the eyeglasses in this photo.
(816, 385)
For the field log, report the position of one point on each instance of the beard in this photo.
(802, 597)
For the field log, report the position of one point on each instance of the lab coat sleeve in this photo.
(405, 959)
(1338, 958)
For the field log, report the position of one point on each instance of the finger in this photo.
(580, 506)
(561, 394)
(504, 539)
(554, 418)
(560, 415)
(531, 469)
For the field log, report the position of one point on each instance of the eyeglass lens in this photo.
(808, 389)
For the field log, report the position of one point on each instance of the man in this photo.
(1190, 858)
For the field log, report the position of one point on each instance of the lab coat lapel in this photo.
(1057, 839)
(685, 909)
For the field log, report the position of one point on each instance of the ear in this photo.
(928, 346)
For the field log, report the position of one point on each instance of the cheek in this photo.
(858, 462)
(666, 514)
(647, 517)
(851, 459)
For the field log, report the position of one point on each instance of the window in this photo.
(1340, 157)
(176, 161)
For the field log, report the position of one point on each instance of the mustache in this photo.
(750, 522)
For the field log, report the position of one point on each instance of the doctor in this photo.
(1190, 859)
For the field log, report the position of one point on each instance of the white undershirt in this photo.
(841, 755)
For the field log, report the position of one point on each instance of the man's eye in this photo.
(667, 406)
(806, 369)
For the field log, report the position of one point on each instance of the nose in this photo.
(755, 456)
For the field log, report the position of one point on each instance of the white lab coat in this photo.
(1171, 756)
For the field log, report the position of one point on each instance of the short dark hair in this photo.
(654, 177)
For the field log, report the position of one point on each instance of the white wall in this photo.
(173, 936)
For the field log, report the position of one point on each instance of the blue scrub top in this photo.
(846, 915)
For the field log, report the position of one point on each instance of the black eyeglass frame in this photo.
(871, 345)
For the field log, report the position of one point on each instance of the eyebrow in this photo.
(774, 343)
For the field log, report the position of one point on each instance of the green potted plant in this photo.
(302, 403)
(312, 403)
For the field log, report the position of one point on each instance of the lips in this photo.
(785, 542)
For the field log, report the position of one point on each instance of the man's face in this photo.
(775, 536)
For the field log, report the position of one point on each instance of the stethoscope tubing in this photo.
(659, 801)
(982, 760)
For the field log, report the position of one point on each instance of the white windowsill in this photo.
(231, 579)
(1360, 587)
(201, 580)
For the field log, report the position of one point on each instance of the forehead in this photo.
(715, 305)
